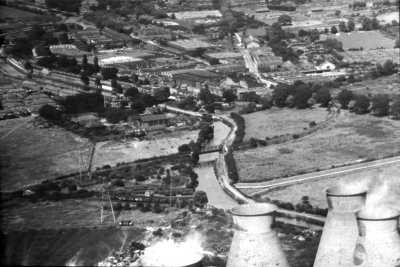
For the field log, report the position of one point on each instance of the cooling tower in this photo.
(378, 243)
(255, 242)
(339, 236)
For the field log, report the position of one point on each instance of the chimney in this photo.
(378, 243)
(255, 242)
(339, 236)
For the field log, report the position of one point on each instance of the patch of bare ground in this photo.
(29, 154)
(113, 152)
(315, 189)
(276, 122)
(354, 137)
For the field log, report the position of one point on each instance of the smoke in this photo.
(381, 198)
(74, 261)
(380, 201)
(171, 253)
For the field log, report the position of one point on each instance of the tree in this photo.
(109, 73)
(96, 67)
(361, 104)
(49, 112)
(337, 13)
(301, 97)
(326, 30)
(161, 95)
(118, 182)
(375, 24)
(84, 63)
(85, 79)
(366, 24)
(351, 25)
(172, 16)
(285, 19)
(334, 30)
(27, 65)
(395, 108)
(97, 81)
(380, 104)
(344, 98)
(200, 199)
(302, 33)
(342, 26)
(114, 84)
(229, 96)
(323, 97)
(132, 92)
(280, 94)
(332, 43)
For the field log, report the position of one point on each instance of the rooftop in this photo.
(146, 118)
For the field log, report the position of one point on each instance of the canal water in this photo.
(207, 180)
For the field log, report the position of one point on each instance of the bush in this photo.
(127, 206)
(118, 182)
(312, 124)
(117, 207)
(176, 234)
(82, 191)
(253, 142)
(158, 232)
(72, 188)
(295, 136)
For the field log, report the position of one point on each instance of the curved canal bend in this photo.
(208, 182)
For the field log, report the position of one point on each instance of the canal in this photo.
(208, 181)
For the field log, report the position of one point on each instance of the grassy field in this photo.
(354, 137)
(58, 247)
(384, 85)
(368, 40)
(315, 189)
(269, 123)
(30, 154)
(9, 12)
(113, 152)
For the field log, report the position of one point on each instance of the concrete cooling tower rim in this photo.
(336, 191)
(364, 217)
(251, 210)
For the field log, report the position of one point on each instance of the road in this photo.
(265, 186)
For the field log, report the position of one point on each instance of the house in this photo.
(326, 65)
(152, 111)
(85, 119)
(251, 42)
(256, 32)
(149, 122)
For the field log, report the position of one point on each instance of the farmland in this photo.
(113, 152)
(276, 122)
(354, 137)
(366, 40)
(315, 189)
(30, 154)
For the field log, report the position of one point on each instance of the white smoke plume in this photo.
(171, 253)
(74, 261)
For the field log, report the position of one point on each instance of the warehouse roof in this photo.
(146, 118)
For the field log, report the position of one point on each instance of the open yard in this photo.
(354, 137)
(29, 154)
(113, 152)
(366, 40)
(275, 122)
(315, 188)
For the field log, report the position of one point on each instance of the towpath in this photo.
(265, 186)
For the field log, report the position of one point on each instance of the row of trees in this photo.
(378, 104)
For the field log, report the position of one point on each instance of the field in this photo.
(30, 154)
(353, 137)
(113, 152)
(384, 85)
(315, 189)
(389, 17)
(366, 40)
(9, 12)
(269, 123)
(61, 247)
